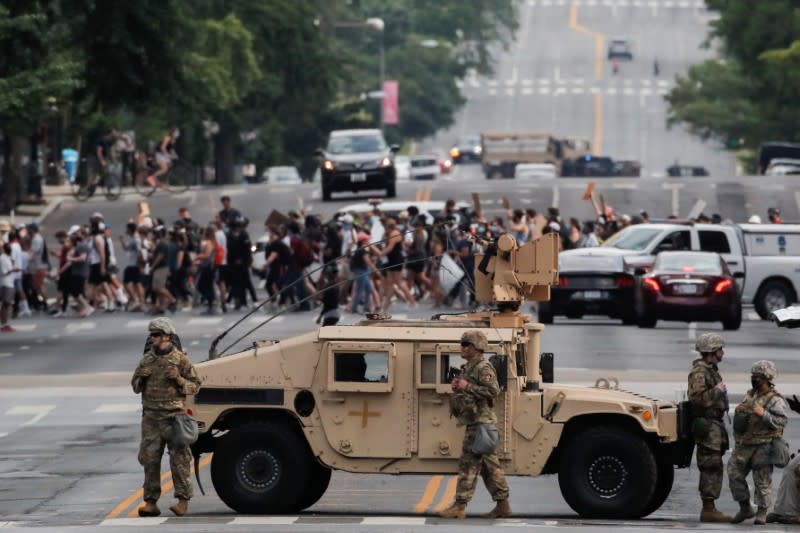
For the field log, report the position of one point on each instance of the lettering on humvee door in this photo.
(436, 364)
(365, 407)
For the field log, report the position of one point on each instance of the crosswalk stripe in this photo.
(137, 324)
(205, 321)
(135, 522)
(264, 520)
(24, 327)
(118, 408)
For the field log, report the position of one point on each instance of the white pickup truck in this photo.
(767, 254)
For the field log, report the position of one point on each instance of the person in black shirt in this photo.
(240, 257)
(278, 257)
(329, 295)
(228, 214)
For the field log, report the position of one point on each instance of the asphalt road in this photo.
(69, 422)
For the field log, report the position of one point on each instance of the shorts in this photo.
(416, 265)
(7, 295)
(132, 274)
(224, 275)
(163, 158)
(96, 277)
(76, 285)
(160, 278)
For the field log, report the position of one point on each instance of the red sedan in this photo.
(688, 287)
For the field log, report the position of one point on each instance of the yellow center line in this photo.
(599, 40)
(136, 497)
(597, 142)
(449, 495)
(430, 493)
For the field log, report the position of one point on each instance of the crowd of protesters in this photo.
(366, 262)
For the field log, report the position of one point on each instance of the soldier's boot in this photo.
(149, 509)
(457, 510)
(761, 516)
(710, 513)
(745, 512)
(501, 510)
(180, 508)
(773, 518)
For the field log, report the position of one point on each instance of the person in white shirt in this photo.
(19, 263)
(221, 262)
(7, 291)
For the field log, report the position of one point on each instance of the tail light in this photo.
(723, 285)
(651, 284)
(623, 281)
(562, 281)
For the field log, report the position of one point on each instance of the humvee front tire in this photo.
(666, 476)
(607, 472)
(261, 469)
(318, 479)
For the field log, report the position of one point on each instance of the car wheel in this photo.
(734, 319)
(544, 313)
(607, 472)
(261, 468)
(773, 295)
(646, 321)
(326, 194)
(391, 191)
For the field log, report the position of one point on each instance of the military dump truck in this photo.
(502, 152)
(373, 398)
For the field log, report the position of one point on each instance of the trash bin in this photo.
(70, 159)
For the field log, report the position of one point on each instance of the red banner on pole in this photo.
(391, 106)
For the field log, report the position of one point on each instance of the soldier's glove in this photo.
(794, 403)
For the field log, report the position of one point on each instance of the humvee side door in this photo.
(367, 399)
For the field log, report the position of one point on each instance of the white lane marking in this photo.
(6, 354)
(752, 315)
(772, 187)
(645, 82)
(645, 92)
(492, 83)
(38, 412)
(797, 199)
(556, 196)
(393, 521)
(194, 343)
(560, 90)
(630, 186)
(594, 90)
(663, 83)
(316, 194)
(628, 90)
(544, 81)
(263, 520)
(260, 319)
(577, 90)
(611, 90)
(118, 408)
(137, 324)
(79, 326)
(544, 90)
(141, 521)
(24, 327)
(692, 330)
(510, 92)
(513, 79)
(527, 90)
(527, 82)
(25, 347)
(204, 321)
(492, 92)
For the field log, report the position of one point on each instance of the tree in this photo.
(750, 95)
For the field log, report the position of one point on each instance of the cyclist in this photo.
(165, 155)
(103, 150)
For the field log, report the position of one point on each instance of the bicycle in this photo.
(109, 179)
(178, 179)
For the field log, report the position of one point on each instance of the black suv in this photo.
(357, 160)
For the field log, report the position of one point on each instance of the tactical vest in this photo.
(468, 408)
(712, 378)
(161, 393)
(757, 431)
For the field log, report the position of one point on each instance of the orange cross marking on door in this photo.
(365, 413)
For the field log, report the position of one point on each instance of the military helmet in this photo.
(765, 368)
(709, 343)
(477, 339)
(162, 324)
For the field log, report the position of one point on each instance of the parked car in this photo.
(688, 287)
(467, 149)
(770, 151)
(620, 48)
(424, 167)
(594, 282)
(402, 167)
(783, 167)
(357, 160)
(589, 165)
(282, 176)
(535, 170)
(676, 171)
(429, 209)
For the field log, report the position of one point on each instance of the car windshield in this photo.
(356, 144)
(698, 263)
(469, 140)
(633, 238)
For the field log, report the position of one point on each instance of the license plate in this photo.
(685, 289)
(592, 295)
(358, 177)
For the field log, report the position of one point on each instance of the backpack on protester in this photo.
(302, 252)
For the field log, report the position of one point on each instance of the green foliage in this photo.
(751, 94)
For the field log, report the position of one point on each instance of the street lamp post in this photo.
(378, 25)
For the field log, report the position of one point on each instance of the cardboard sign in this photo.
(506, 203)
(587, 194)
(476, 202)
(697, 208)
(276, 218)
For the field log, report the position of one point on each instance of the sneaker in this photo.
(57, 314)
(25, 314)
(7, 329)
(86, 312)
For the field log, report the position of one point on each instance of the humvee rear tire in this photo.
(261, 469)
(666, 476)
(607, 472)
(318, 480)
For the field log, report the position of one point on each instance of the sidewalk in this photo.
(52, 196)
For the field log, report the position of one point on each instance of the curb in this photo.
(52, 206)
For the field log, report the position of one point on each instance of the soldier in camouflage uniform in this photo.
(164, 377)
(759, 419)
(478, 384)
(709, 398)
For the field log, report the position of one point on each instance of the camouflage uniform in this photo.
(709, 404)
(752, 451)
(483, 388)
(162, 399)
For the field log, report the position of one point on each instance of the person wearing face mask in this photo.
(709, 398)
(758, 422)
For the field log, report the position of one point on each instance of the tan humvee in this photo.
(373, 398)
